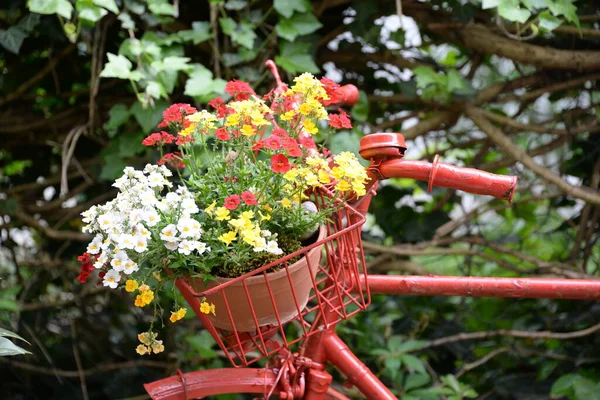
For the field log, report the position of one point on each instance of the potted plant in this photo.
(229, 194)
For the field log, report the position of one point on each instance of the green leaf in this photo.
(155, 90)
(117, 116)
(450, 59)
(203, 344)
(413, 363)
(149, 117)
(451, 382)
(235, 5)
(89, 11)
(298, 25)
(415, 381)
(548, 21)
(286, 8)
(295, 57)
(118, 66)
(12, 39)
(8, 348)
(392, 365)
(202, 86)
(172, 63)
(455, 80)
(7, 333)
(564, 385)
(28, 23)
(130, 144)
(511, 11)
(427, 76)
(113, 166)
(8, 303)
(564, 8)
(110, 5)
(126, 21)
(360, 111)
(487, 4)
(61, 7)
(199, 33)
(161, 7)
(242, 34)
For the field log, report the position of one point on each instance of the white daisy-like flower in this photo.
(106, 221)
(189, 228)
(148, 198)
(90, 215)
(125, 241)
(202, 247)
(273, 248)
(189, 206)
(172, 245)
(130, 267)
(156, 179)
(100, 261)
(260, 244)
(136, 216)
(186, 247)
(169, 233)
(151, 217)
(141, 230)
(119, 261)
(111, 279)
(140, 243)
(95, 245)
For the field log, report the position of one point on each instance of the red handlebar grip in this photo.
(466, 179)
(347, 95)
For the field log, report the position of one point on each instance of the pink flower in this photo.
(232, 202)
(280, 163)
(248, 198)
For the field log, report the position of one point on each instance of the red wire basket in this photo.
(302, 297)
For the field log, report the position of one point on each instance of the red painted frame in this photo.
(302, 375)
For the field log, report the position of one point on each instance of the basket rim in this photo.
(304, 250)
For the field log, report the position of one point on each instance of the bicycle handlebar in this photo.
(386, 152)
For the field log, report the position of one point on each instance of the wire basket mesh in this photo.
(261, 313)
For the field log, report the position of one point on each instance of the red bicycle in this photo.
(300, 349)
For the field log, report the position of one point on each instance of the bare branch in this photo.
(49, 232)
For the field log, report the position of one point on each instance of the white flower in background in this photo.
(260, 244)
(148, 198)
(89, 216)
(111, 279)
(188, 206)
(106, 221)
(189, 227)
(156, 179)
(100, 261)
(172, 245)
(95, 245)
(186, 247)
(202, 247)
(140, 243)
(151, 217)
(172, 199)
(125, 241)
(265, 233)
(140, 230)
(136, 216)
(130, 267)
(169, 233)
(119, 261)
(273, 248)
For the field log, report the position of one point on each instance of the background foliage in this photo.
(508, 86)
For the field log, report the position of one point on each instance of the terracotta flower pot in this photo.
(259, 293)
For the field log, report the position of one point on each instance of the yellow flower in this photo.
(212, 309)
(141, 350)
(205, 308)
(157, 276)
(312, 180)
(310, 126)
(247, 215)
(291, 175)
(337, 173)
(131, 285)
(305, 108)
(267, 207)
(265, 217)
(187, 131)
(210, 208)
(157, 347)
(288, 115)
(228, 237)
(232, 119)
(250, 235)
(324, 177)
(343, 186)
(222, 214)
(145, 338)
(286, 203)
(248, 130)
(144, 287)
(144, 298)
(202, 116)
(177, 315)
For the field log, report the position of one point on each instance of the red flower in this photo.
(232, 179)
(248, 198)
(307, 142)
(221, 133)
(232, 202)
(280, 133)
(219, 105)
(295, 151)
(173, 159)
(280, 163)
(101, 276)
(87, 267)
(176, 114)
(332, 90)
(340, 121)
(272, 142)
(257, 145)
(159, 139)
(184, 139)
(239, 90)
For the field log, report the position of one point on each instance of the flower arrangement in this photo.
(242, 173)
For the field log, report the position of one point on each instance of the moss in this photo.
(287, 244)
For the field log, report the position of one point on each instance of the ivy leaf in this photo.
(117, 116)
(8, 348)
(199, 33)
(172, 63)
(113, 166)
(89, 11)
(294, 57)
(155, 90)
(149, 117)
(427, 76)
(126, 21)
(110, 5)
(298, 25)
(286, 8)
(510, 10)
(28, 23)
(242, 34)
(455, 80)
(235, 4)
(548, 21)
(61, 7)
(161, 7)
(118, 66)
(202, 85)
(566, 9)
(12, 39)
(487, 4)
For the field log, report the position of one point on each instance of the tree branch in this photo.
(49, 232)
(498, 137)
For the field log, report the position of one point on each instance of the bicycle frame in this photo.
(302, 375)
